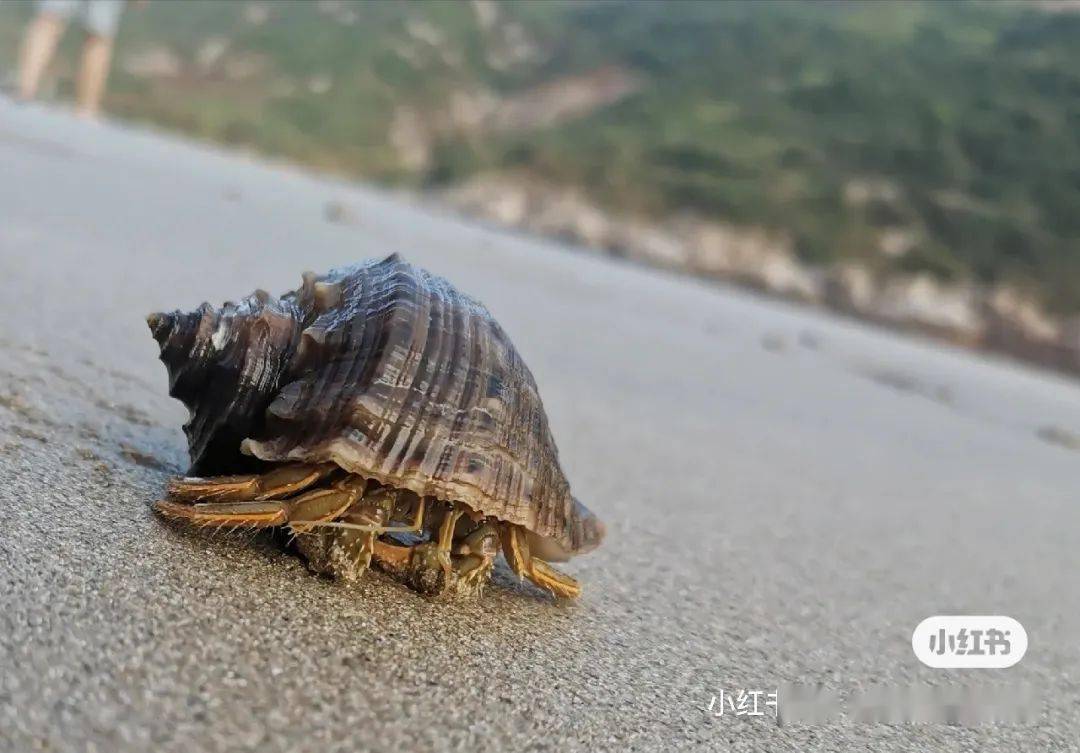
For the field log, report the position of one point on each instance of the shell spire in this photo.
(226, 365)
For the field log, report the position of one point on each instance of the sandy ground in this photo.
(787, 494)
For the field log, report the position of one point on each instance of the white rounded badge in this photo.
(969, 641)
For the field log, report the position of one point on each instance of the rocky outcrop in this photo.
(474, 111)
(563, 99)
(921, 302)
(998, 318)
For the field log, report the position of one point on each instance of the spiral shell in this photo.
(386, 370)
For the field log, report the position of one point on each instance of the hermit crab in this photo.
(381, 416)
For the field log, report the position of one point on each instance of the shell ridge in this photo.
(382, 374)
(411, 333)
(462, 417)
(449, 385)
(426, 369)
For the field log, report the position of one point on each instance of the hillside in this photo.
(937, 139)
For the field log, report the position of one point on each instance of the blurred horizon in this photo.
(822, 151)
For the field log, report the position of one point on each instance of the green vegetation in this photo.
(955, 125)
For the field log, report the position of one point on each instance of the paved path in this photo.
(787, 494)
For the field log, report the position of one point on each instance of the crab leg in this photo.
(392, 557)
(476, 557)
(428, 567)
(516, 550)
(225, 514)
(280, 482)
(351, 548)
(446, 529)
(395, 558)
(446, 538)
(356, 542)
(414, 527)
(323, 505)
(300, 513)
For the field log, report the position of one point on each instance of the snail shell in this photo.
(386, 370)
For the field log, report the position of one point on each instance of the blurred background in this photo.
(916, 164)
